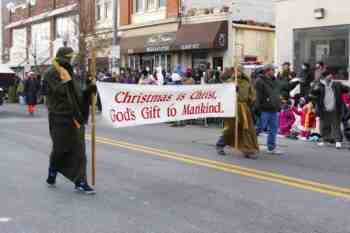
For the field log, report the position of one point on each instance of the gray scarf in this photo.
(329, 98)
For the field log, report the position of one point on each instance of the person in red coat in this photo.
(308, 119)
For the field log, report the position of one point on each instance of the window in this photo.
(98, 12)
(107, 9)
(139, 5)
(148, 5)
(151, 4)
(162, 3)
(327, 44)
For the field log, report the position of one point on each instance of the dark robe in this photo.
(66, 103)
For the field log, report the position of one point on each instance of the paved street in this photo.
(158, 179)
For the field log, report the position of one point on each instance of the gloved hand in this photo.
(92, 88)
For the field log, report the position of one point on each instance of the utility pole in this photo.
(115, 44)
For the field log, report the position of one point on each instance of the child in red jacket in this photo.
(308, 119)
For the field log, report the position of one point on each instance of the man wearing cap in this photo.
(268, 103)
(68, 109)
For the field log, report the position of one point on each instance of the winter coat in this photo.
(31, 90)
(268, 93)
(308, 117)
(318, 93)
(306, 80)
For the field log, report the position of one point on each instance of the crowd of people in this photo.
(180, 75)
(310, 106)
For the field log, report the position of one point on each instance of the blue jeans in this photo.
(269, 121)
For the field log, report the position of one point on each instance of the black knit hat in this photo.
(65, 53)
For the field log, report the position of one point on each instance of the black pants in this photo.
(331, 127)
(68, 154)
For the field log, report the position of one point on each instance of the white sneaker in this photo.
(338, 145)
(321, 144)
(275, 152)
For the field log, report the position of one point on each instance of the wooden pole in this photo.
(236, 121)
(93, 118)
(236, 142)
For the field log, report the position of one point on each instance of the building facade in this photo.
(319, 31)
(34, 30)
(164, 33)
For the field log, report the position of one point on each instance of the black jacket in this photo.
(306, 80)
(268, 94)
(67, 99)
(31, 90)
(318, 93)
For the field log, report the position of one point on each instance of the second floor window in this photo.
(162, 3)
(98, 12)
(107, 9)
(151, 4)
(139, 5)
(148, 5)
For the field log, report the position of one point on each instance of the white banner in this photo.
(125, 105)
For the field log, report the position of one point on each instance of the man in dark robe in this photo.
(68, 107)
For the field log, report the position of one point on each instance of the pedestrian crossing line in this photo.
(231, 168)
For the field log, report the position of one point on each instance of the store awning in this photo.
(211, 35)
(148, 44)
(5, 69)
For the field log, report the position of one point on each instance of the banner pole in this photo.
(93, 118)
(236, 110)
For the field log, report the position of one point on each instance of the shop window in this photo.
(199, 61)
(169, 63)
(327, 44)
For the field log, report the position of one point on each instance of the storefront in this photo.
(321, 32)
(193, 45)
(203, 43)
(149, 51)
(327, 44)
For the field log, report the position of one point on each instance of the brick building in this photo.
(163, 33)
(35, 29)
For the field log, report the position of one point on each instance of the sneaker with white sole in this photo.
(338, 145)
(321, 144)
(275, 152)
(85, 188)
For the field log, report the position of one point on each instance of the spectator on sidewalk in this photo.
(31, 90)
(286, 118)
(328, 99)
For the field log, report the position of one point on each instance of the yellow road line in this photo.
(231, 168)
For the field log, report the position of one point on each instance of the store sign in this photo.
(157, 49)
(161, 39)
(190, 46)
